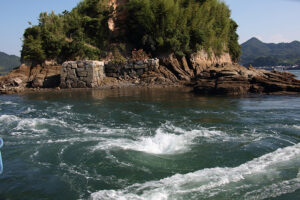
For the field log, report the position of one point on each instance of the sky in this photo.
(269, 20)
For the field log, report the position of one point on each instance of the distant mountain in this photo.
(8, 62)
(258, 53)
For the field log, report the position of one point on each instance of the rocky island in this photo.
(181, 43)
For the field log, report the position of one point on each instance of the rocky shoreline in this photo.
(205, 74)
(238, 80)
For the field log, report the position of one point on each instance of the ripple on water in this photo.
(89, 145)
(208, 183)
(29, 126)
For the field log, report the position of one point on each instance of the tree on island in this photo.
(156, 26)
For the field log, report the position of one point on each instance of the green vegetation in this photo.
(182, 26)
(261, 54)
(157, 26)
(78, 34)
(8, 62)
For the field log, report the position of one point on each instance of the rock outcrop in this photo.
(45, 76)
(207, 74)
(211, 74)
(82, 74)
(239, 80)
(38, 76)
(188, 69)
(201, 60)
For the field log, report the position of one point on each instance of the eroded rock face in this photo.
(39, 76)
(238, 80)
(160, 76)
(45, 76)
(179, 68)
(82, 74)
(187, 69)
(201, 60)
(211, 74)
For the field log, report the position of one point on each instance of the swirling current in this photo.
(149, 144)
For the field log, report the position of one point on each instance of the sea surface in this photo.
(149, 144)
(296, 72)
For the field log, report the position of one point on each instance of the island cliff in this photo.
(181, 43)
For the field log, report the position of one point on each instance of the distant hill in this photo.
(258, 53)
(8, 62)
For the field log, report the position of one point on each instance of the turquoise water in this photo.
(152, 144)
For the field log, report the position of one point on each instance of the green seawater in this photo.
(153, 144)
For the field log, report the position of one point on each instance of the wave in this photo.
(274, 190)
(296, 126)
(8, 118)
(7, 103)
(23, 125)
(207, 183)
(167, 140)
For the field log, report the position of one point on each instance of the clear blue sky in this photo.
(269, 20)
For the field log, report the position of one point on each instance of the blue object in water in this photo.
(1, 164)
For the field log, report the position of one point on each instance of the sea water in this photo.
(149, 144)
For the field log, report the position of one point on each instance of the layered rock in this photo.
(39, 76)
(188, 69)
(201, 60)
(82, 74)
(45, 76)
(239, 80)
(161, 76)
(211, 74)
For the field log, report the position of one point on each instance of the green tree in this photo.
(233, 45)
(32, 46)
(157, 26)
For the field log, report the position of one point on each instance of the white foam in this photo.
(29, 110)
(23, 125)
(206, 182)
(68, 107)
(7, 103)
(167, 143)
(8, 118)
(36, 124)
(274, 190)
(296, 126)
(163, 142)
(69, 140)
